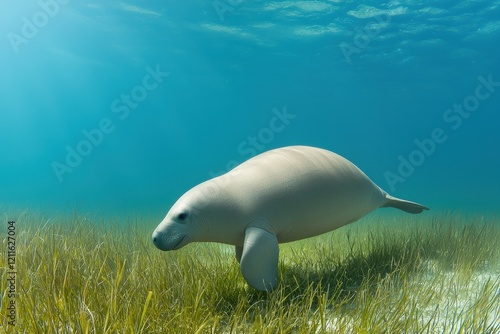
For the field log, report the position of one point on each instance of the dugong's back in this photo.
(304, 191)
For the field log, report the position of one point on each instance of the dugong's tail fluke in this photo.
(404, 205)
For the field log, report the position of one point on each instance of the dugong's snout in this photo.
(156, 239)
(167, 242)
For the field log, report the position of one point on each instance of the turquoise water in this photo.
(120, 107)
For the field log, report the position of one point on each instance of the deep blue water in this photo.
(171, 93)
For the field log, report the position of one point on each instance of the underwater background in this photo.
(118, 108)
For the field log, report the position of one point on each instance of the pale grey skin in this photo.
(279, 196)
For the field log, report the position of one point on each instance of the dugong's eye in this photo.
(181, 217)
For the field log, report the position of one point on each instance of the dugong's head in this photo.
(179, 227)
(175, 231)
(199, 215)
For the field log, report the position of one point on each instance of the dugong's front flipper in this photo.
(259, 261)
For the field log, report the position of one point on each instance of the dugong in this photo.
(281, 195)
